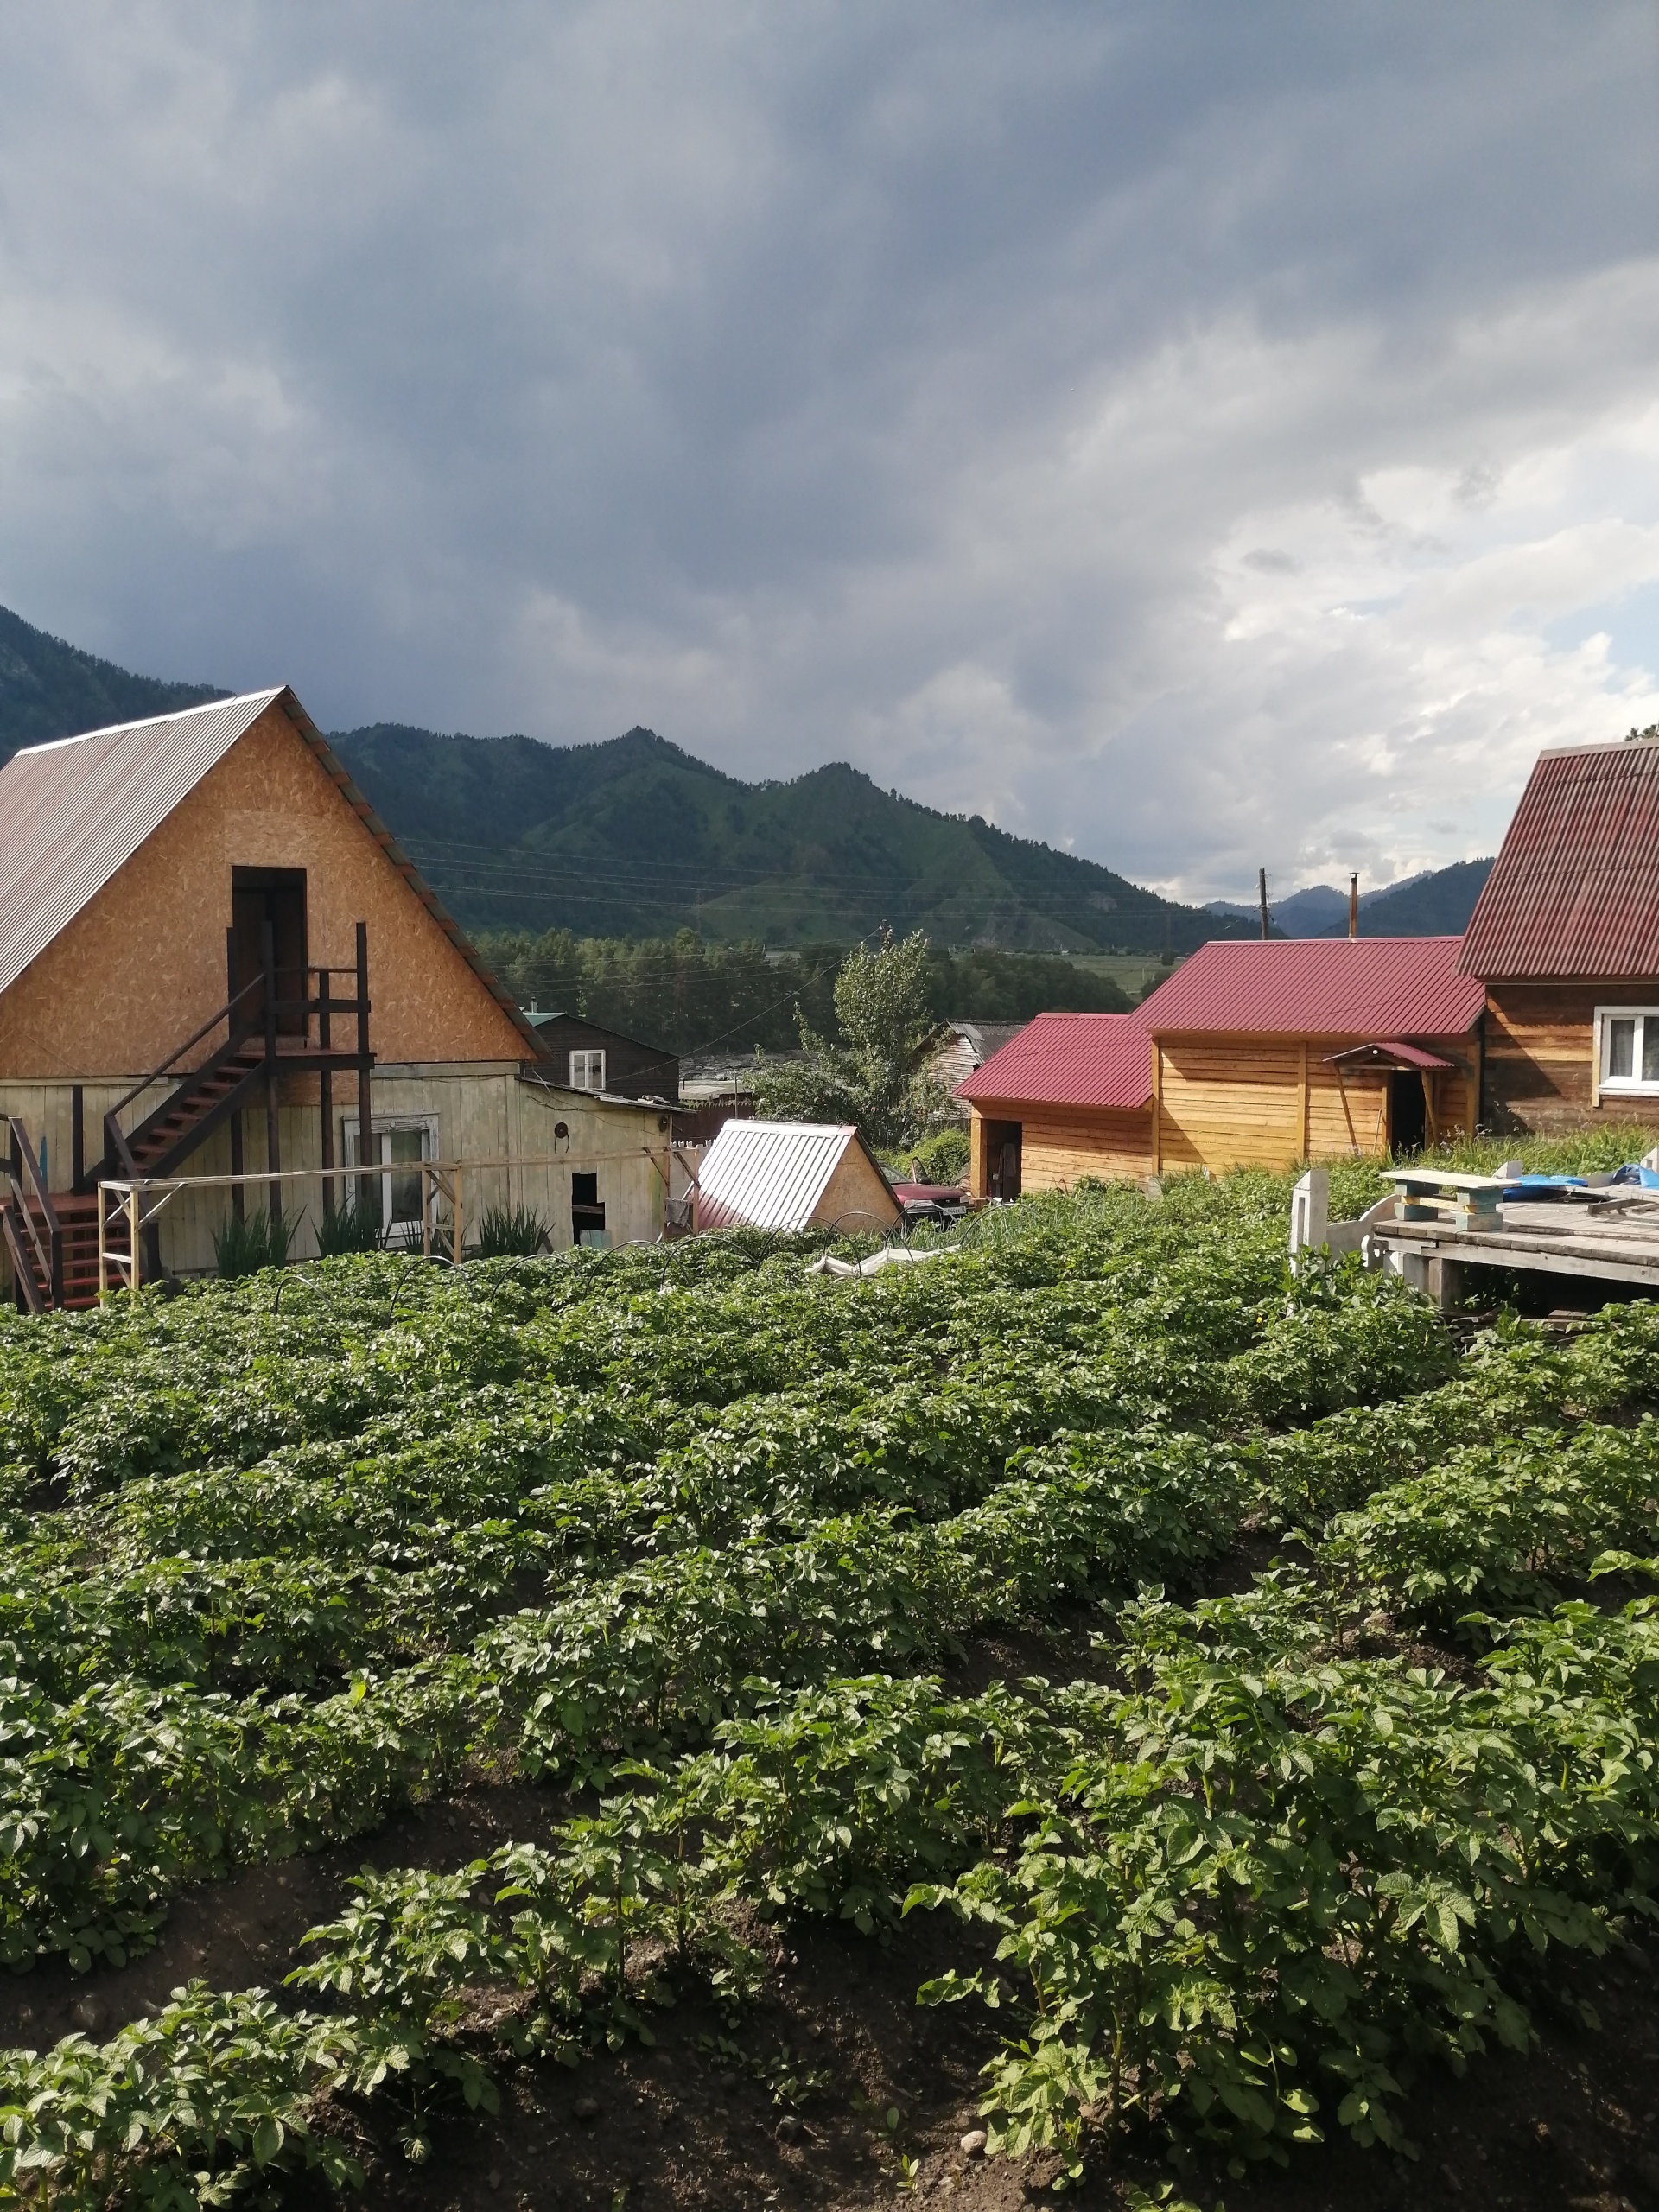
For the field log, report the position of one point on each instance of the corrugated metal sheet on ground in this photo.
(1318, 987)
(74, 811)
(769, 1174)
(1102, 1060)
(1574, 894)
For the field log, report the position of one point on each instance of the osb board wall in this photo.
(1540, 1056)
(855, 1197)
(1057, 1149)
(144, 965)
(482, 1113)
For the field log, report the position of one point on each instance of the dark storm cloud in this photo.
(1199, 435)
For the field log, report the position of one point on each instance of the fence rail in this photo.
(128, 1206)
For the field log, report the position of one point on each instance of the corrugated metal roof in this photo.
(74, 811)
(1574, 895)
(1387, 1052)
(1318, 987)
(1070, 1060)
(770, 1174)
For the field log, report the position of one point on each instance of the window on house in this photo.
(400, 1145)
(1629, 1047)
(586, 1071)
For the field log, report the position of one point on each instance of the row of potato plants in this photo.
(721, 1542)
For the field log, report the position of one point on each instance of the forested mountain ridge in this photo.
(50, 688)
(637, 837)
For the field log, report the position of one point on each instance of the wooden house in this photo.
(215, 961)
(587, 1056)
(1251, 1054)
(1565, 938)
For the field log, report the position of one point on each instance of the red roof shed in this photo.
(1371, 987)
(1070, 1060)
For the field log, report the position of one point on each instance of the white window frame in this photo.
(426, 1123)
(1634, 1085)
(586, 1064)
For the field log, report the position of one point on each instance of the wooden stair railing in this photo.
(45, 1235)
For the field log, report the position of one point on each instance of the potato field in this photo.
(1086, 1714)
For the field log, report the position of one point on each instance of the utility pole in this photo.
(1262, 895)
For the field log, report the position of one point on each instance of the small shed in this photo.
(1565, 937)
(1251, 1054)
(793, 1175)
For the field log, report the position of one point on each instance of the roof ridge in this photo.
(149, 721)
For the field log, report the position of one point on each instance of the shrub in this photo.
(513, 1233)
(353, 1228)
(943, 1158)
(246, 1244)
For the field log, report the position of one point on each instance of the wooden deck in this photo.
(1609, 1236)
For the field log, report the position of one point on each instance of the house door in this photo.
(276, 895)
(1408, 1113)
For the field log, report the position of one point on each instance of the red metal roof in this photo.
(1385, 1051)
(1574, 895)
(1318, 987)
(1070, 1060)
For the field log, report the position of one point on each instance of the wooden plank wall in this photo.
(483, 1111)
(1060, 1148)
(1540, 1057)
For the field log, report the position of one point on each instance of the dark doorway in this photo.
(276, 896)
(587, 1208)
(1408, 1113)
(1002, 1144)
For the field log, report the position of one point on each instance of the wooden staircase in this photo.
(54, 1250)
(51, 1237)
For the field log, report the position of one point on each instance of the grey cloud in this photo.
(1006, 398)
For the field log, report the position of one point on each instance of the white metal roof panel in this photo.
(75, 811)
(769, 1174)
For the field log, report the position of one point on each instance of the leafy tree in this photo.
(875, 1076)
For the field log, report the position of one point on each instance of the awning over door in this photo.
(1391, 1053)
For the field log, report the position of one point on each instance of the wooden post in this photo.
(132, 1237)
(455, 1223)
(103, 1249)
(273, 1135)
(238, 1164)
(1428, 1103)
(365, 1146)
(429, 1192)
(1347, 1111)
(326, 1088)
(1157, 1109)
(1302, 1080)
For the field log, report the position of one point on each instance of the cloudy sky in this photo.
(1198, 435)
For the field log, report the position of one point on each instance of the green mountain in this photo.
(49, 688)
(637, 838)
(1435, 905)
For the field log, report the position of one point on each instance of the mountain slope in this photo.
(1435, 905)
(49, 688)
(636, 837)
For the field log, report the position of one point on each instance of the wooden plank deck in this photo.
(1612, 1235)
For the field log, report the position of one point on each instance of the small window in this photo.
(587, 1211)
(1628, 1048)
(586, 1071)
